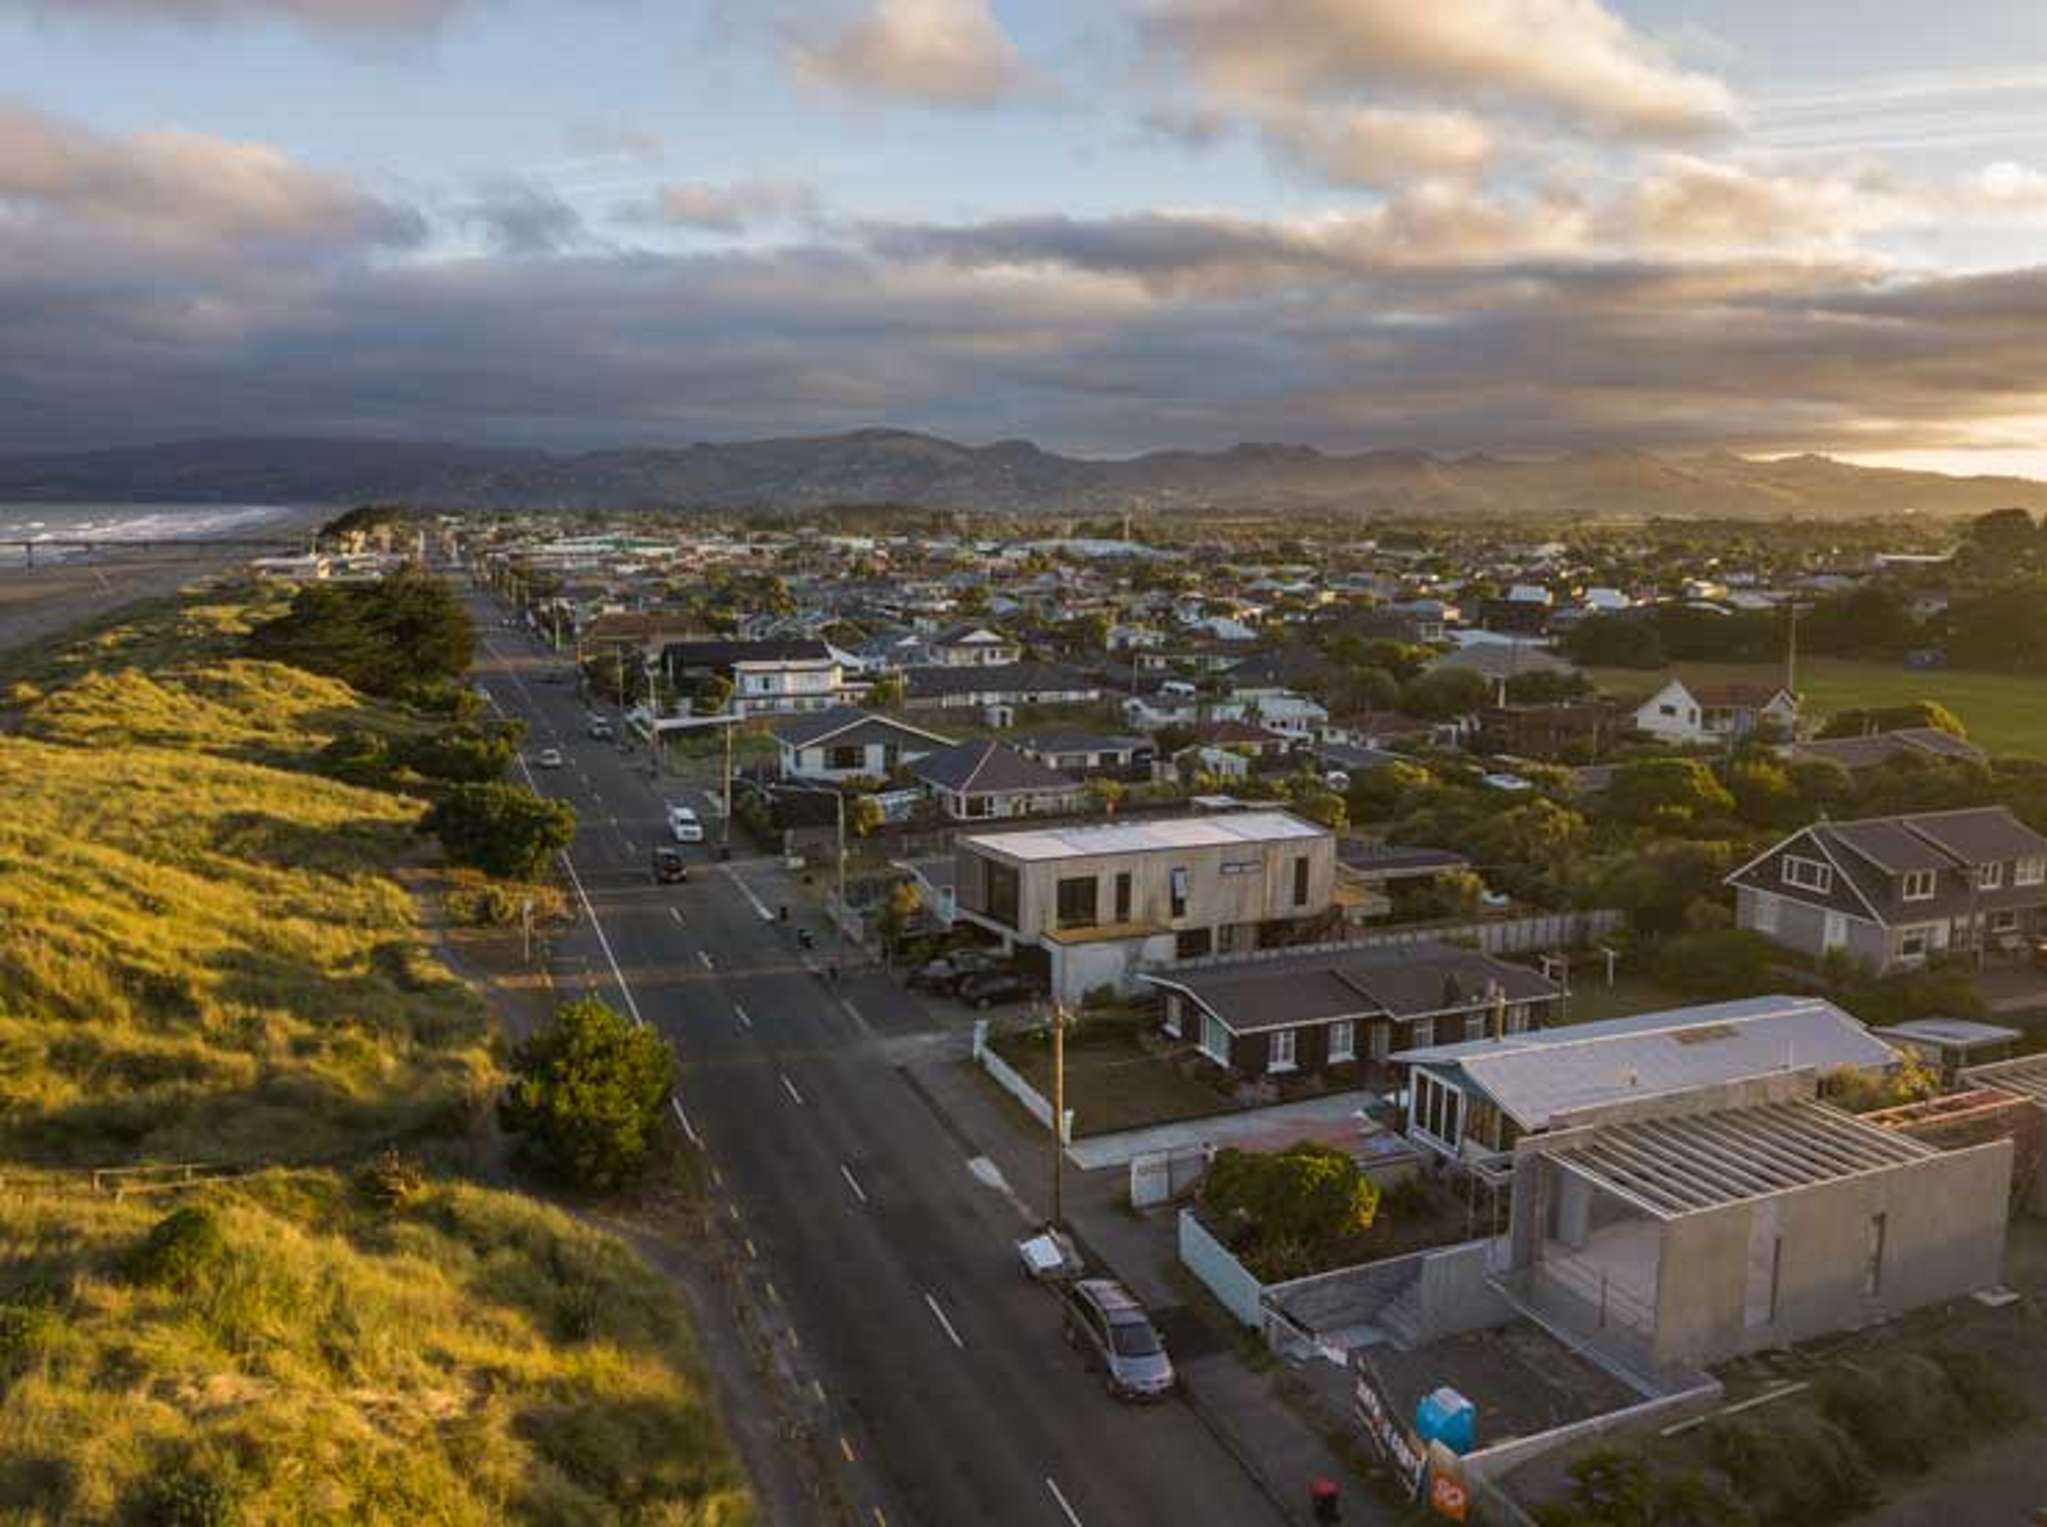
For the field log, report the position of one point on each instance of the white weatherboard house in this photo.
(846, 742)
(1684, 713)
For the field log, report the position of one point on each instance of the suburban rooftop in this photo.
(1148, 837)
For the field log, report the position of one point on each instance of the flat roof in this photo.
(1954, 1033)
(2025, 1076)
(1540, 1078)
(1169, 833)
(1694, 1162)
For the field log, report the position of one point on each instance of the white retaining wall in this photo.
(1011, 1082)
(1228, 1279)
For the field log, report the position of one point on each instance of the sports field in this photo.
(2005, 713)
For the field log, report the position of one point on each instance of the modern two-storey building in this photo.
(1104, 902)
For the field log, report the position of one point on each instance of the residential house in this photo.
(1710, 713)
(846, 742)
(1103, 902)
(1008, 684)
(1855, 754)
(1342, 1003)
(982, 779)
(768, 677)
(973, 646)
(1498, 661)
(1090, 755)
(1548, 731)
(1894, 891)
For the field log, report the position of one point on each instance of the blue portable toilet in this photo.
(1445, 1416)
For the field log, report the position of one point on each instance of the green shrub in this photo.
(1719, 963)
(1282, 1210)
(1900, 1409)
(187, 1497)
(1794, 1469)
(587, 1096)
(503, 830)
(1987, 1397)
(183, 1250)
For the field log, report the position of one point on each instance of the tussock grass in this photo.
(469, 1357)
(204, 956)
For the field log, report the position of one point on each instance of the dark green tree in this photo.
(501, 829)
(587, 1096)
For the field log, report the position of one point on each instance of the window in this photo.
(1474, 1026)
(1282, 1054)
(1765, 915)
(1179, 889)
(1123, 896)
(2029, 872)
(1381, 1040)
(1667, 710)
(1919, 885)
(846, 759)
(1300, 880)
(1913, 942)
(1192, 943)
(1171, 1023)
(1424, 1033)
(1215, 1039)
(1808, 874)
(1343, 1041)
(1990, 876)
(975, 805)
(1077, 901)
(1002, 893)
(1873, 1273)
(2004, 922)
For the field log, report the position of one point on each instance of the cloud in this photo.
(520, 218)
(1572, 59)
(613, 138)
(936, 52)
(1379, 146)
(334, 15)
(728, 208)
(171, 188)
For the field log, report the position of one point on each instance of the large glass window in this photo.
(1179, 890)
(1343, 1041)
(1300, 880)
(1003, 893)
(1123, 896)
(1077, 901)
(1282, 1055)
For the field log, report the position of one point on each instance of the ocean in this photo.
(132, 522)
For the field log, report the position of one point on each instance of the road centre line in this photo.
(740, 1013)
(852, 1182)
(1053, 1485)
(747, 891)
(790, 1087)
(939, 1314)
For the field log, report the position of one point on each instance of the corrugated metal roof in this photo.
(1147, 837)
(1538, 1077)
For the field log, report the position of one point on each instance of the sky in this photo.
(1516, 226)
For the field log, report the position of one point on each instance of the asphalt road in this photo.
(950, 1395)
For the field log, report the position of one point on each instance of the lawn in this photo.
(2006, 713)
(1112, 1081)
(1592, 999)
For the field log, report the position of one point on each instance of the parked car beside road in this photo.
(1110, 1329)
(988, 987)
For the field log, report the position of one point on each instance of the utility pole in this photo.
(1058, 1114)
(726, 846)
(839, 797)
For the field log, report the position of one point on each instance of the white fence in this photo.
(1007, 1078)
(1159, 1177)
(1232, 1283)
(1544, 933)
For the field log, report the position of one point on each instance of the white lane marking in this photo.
(853, 1013)
(687, 1127)
(852, 1182)
(1053, 1485)
(790, 1088)
(680, 920)
(705, 956)
(740, 1013)
(940, 1315)
(747, 891)
(990, 1175)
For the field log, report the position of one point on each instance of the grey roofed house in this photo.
(1857, 753)
(984, 766)
(1501, 660)
(1017, 682)
(1537, 1080)
(848, 725)
(1396, 861)
(1403, 981)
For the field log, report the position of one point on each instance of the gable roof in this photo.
(1539, 1077)
(811, 728)
(1876, 748)
(723, 654)
(987, 767)
(998, 678)
(1400, 981)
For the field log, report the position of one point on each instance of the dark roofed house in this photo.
(1090, 755)
(1010, 684)
(1340, 1004)
(847, 742)
(983, 779)
(1894, 891)
(1856, 754)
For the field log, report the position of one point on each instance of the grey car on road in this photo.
(1113, 1333)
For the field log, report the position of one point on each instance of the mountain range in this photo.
(1011, 476)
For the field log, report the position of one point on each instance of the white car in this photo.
(549, 758)
(683, 825)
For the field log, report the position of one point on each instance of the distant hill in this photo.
(1010, 476)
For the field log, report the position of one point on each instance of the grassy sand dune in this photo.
(205, 956)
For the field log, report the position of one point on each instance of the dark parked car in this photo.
(1112, 1332)
(669, 866)
(988, 987)
(944, 975)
